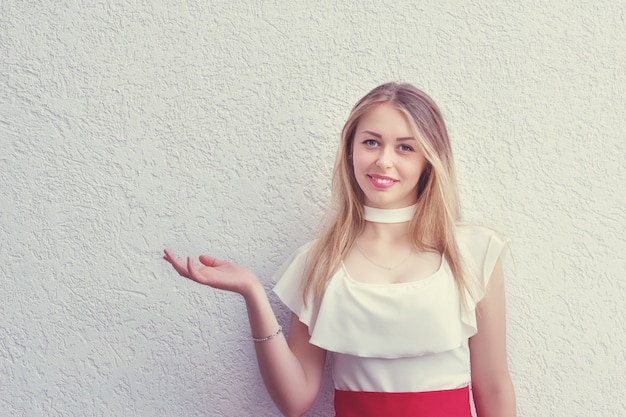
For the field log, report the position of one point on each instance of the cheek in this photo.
(358, 161)
(416, 168)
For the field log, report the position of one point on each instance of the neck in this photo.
(387, 232)
(388, 224)
(399, 215)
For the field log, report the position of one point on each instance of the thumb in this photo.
(210, 261)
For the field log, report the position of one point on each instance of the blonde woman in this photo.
(408, 300)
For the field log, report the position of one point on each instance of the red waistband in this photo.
(446, 403)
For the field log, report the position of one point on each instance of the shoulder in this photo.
(471, 231)
(481, 247)
(296, 262)
(476, 238)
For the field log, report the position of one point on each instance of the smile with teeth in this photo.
(382, 182)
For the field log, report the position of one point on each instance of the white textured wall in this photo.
(210, 126)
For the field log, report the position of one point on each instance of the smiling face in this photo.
(387, 158)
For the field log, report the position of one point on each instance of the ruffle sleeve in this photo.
(481, 248)
(288, 286)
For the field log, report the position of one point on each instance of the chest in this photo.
(391, 267)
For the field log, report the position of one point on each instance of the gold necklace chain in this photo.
(388, 268)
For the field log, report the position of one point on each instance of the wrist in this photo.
(253, 291)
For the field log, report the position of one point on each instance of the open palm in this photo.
(213, 272)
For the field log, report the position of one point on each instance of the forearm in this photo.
(495, 401)
(282, 372)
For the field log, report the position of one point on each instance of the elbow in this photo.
(495, 399)
(294, 412)
(295, 408)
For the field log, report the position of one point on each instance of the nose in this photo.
(385, 159)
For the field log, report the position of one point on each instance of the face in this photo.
(387, 159)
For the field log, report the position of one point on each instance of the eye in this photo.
(370, 143)
(405, 148)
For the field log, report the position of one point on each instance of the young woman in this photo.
(409, 301)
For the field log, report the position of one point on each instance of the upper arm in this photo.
(488, 356)
(311, 357)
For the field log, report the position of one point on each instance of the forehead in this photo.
(385, 119)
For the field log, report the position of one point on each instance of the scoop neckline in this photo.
(419, 282)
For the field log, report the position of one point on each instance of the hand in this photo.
(214, 273)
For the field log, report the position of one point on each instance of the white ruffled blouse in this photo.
(406, 337)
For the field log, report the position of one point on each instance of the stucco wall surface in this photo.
(211, 127)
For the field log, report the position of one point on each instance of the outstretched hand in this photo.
(213, 272)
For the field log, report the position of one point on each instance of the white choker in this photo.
(378, 215)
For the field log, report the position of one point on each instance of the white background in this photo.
(211, 127)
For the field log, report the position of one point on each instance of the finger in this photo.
(178, 264)
(210, 261)
(173, 259)
(193, 270)
(168, 255)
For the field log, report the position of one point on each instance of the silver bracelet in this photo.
(264, 339)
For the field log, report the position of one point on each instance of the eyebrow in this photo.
(379, 136)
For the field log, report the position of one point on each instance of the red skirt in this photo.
(446, 403)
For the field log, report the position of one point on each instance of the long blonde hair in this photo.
(438, 209)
